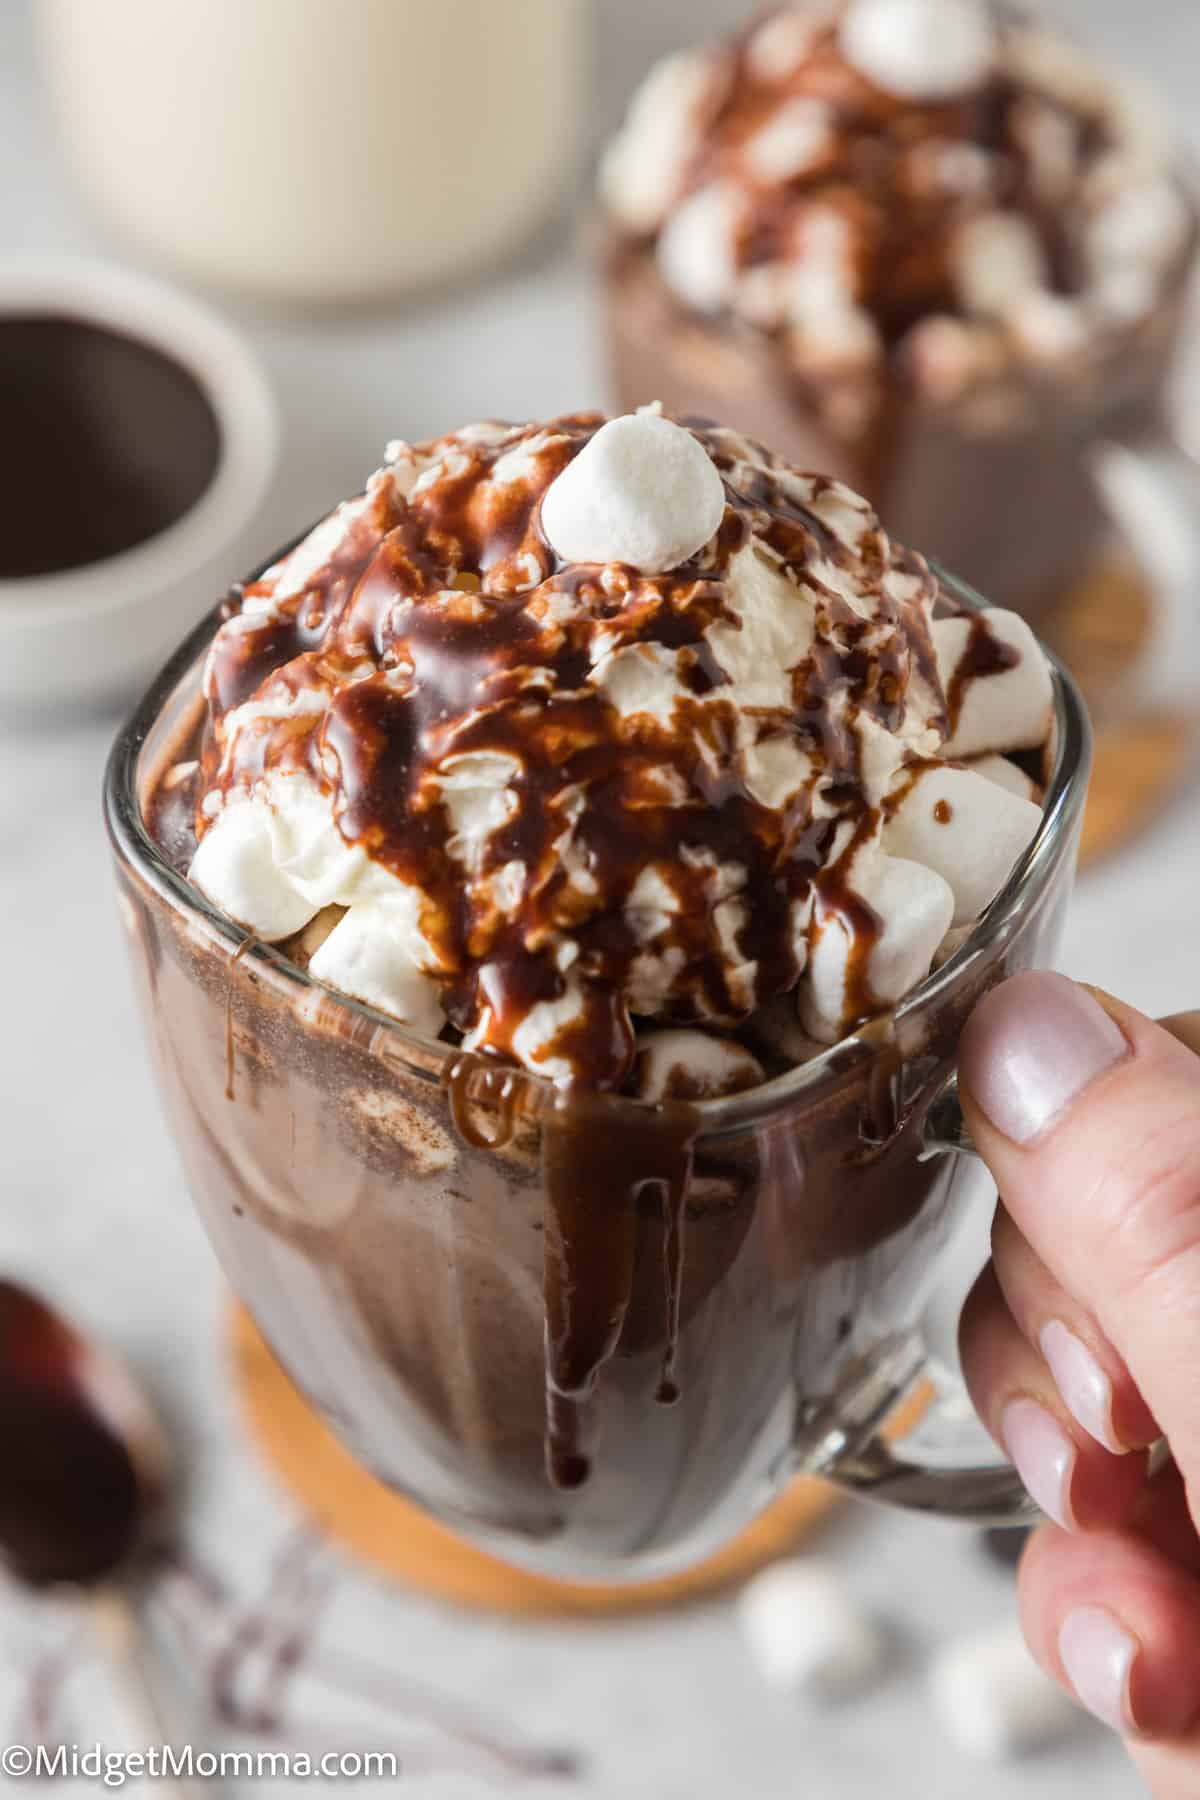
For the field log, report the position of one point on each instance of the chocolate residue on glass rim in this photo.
(444, 624)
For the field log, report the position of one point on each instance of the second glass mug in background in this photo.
(443, 1252)
(1056, 489)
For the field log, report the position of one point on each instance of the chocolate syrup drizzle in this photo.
(443, 626)
(599, 1173)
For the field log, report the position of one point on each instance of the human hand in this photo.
(1081, 1343)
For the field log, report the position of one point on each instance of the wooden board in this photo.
(398, 1540)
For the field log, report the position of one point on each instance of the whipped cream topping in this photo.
(853, 175)
(562, 728)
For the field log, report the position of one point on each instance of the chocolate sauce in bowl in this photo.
(108, 441)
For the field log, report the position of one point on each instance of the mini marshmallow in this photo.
(967, 829)
(947, 356)
(643, 491)
(311, 853)
(915, 906)
(794, 140)
(841, 337)
(920, 49)
(478, 796)
(368, 954)
(1010, 709)
(997, 260)
(1007, 775)
(1051, 64)
(642, 168)
(1050, 139)
(805, 1630)
(1124, 293)
(782, 41)
(234, 866)
(774, 293)
(696, 249)
(1047, 327)
(992, 1699)
(642, 678)
(691, 1065)
(945, 166)
(1146, 221)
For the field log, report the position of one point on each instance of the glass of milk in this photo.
(320, 151)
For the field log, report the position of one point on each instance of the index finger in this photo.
(1089, 1116)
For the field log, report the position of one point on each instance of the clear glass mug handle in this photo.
(944, 1464)
(1151, 487)
(947, 1464)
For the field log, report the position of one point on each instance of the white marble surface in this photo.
(95, 1213)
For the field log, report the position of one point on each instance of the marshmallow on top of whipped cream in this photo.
(574, 730)
(860, 177)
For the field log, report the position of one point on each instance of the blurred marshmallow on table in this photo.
(312, 153)
(993, 1701)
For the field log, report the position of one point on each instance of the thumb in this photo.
(1088, 1115)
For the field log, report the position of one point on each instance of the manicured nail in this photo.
(1086, 1390)
(1032, 1047)
(1043, 1456)
(1098, 1655)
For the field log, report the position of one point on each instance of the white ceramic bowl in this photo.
(92, 635)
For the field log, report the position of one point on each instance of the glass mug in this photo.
(594, 1336)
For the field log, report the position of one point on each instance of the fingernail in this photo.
(1086, 1390)
(1098, 1655)
(1032, 1047)
(1043, 1456)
